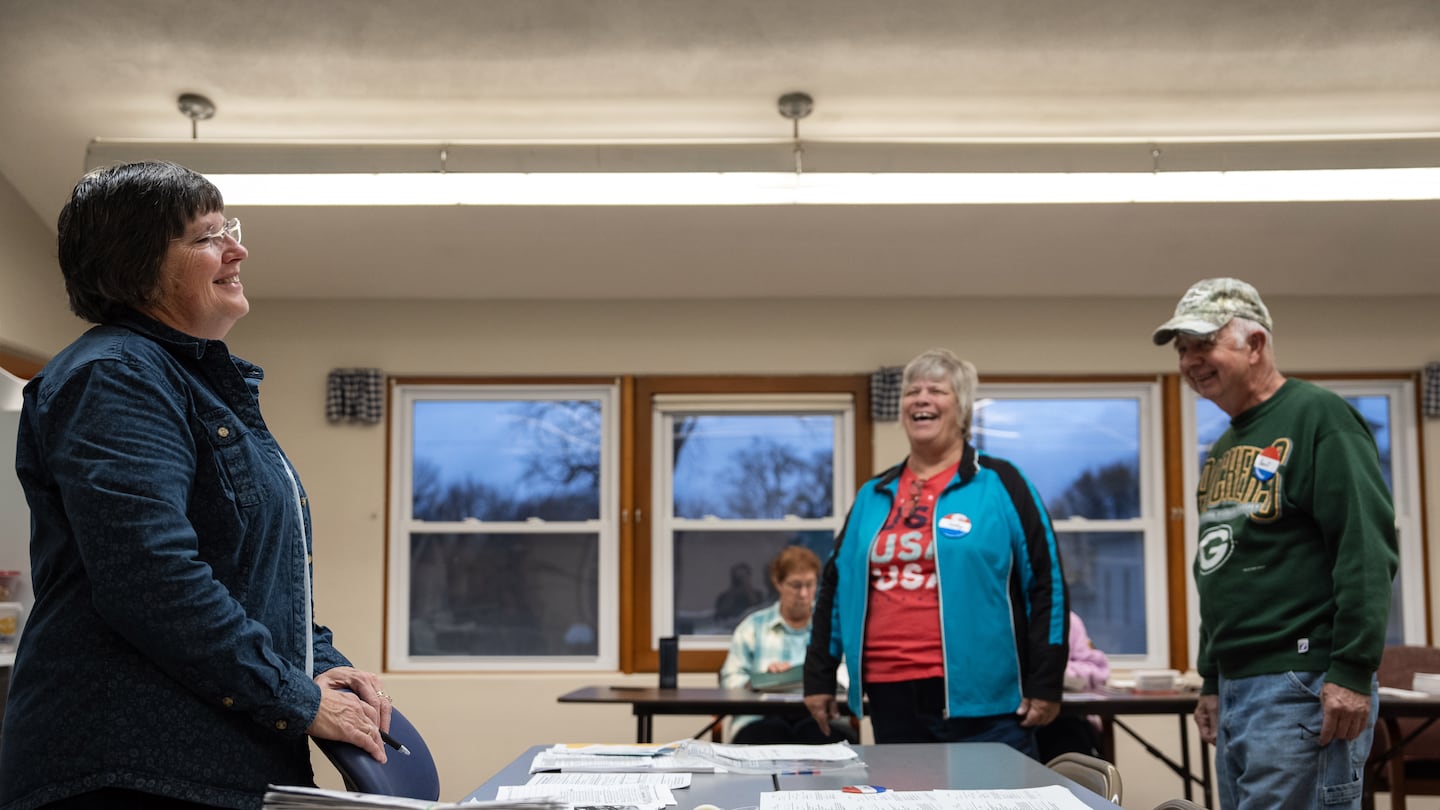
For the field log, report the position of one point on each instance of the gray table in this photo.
(928, 766)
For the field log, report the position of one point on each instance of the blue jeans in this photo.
(1266, 756)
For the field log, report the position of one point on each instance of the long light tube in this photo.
(782, 188)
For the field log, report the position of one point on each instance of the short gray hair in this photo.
(942, 364)
(1242, 328)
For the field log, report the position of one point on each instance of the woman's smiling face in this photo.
(200, 289)
(931, 413)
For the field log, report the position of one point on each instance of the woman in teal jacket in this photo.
(944, 593)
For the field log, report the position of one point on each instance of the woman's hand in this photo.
(1035, 712)
(777, 666)
(823, 708)
(366, 685)
(353, 708)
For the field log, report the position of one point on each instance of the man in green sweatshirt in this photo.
(1295, 558)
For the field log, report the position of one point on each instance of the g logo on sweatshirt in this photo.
(1214, 548)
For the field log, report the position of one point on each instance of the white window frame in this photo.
(1405, 478)
(665, 408)
(1151, 523)
(606, 527)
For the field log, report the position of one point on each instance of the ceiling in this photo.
(691, 71)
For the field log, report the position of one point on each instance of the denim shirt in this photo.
(167, 644)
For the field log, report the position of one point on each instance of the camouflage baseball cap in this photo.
(1209, 305)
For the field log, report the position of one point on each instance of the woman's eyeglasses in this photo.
(230, 228)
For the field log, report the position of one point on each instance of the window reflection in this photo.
(754, 466)
(720, 576)
(1106, 575)
(506, 460)
(503, 594)
(1082, 455)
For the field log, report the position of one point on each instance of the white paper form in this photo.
(552, 760)
(1052, 797)
(674, 781)
(830, 752)
(639, 796)
(618, 749)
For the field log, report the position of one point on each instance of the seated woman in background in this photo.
(774, 639)
(1087, 669)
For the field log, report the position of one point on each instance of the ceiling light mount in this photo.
(795, 106)
(197, 108)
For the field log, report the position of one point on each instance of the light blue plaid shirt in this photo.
(761, 638)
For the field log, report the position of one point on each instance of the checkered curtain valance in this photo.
(1431, 402)
(355, 395)
(885, 394)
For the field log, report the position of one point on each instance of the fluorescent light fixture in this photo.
(842, 188)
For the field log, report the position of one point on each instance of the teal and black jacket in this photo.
(1003, 606)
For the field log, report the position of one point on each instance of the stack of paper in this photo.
(600, 791)
(618, 759)
(1053, 797)
(776, 759)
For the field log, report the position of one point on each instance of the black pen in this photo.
(394, 743)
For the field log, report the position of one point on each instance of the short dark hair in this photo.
(116, 227)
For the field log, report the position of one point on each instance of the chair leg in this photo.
(1397, 782)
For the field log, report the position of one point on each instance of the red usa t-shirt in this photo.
(902, 624)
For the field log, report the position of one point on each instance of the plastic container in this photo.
(10, 584)
(1156, 680)
(1427, 682)
(9, 625)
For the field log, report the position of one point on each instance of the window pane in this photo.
(1082, 455)
(754, 466)
(1376, 412)
(504, 594)
(720, 576)
(1106, 575)
(507, 460)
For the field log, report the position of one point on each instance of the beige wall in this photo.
(477, 723)
(34, 317)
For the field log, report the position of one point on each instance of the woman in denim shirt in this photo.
(171, 658)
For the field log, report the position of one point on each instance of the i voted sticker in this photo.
(954, 525)
(1267, 463)
(862, 789)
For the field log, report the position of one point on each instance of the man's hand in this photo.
(1036, 712)
(1346, 713)
(823, 708)
(778, 666)
(1207, 717)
